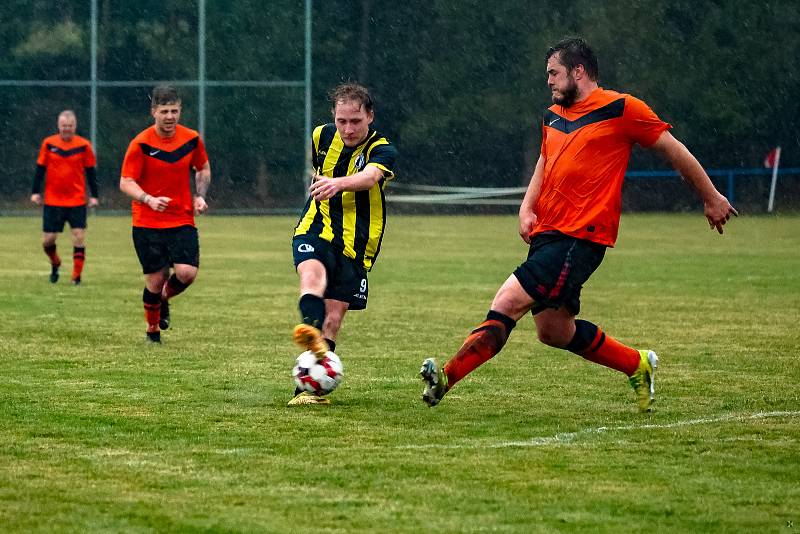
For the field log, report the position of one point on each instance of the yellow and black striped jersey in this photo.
(352, 221)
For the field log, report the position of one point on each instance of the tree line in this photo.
(459, 85)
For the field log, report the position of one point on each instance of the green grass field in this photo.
(100, 432)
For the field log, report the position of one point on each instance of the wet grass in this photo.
(100, 432)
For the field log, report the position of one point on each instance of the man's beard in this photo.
(569, 95)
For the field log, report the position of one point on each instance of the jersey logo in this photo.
(65, 153)
(167, 156)
(360, 162)
(305, 247)
(610, 111)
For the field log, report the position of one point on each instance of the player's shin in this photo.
(78, 259)
(50, 250)
(592, 344)
(480, 346)
(152, 309)
(312, 310)
(173, 287)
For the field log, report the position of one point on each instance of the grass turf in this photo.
(99, 431)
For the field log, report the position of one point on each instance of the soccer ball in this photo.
(318, 376)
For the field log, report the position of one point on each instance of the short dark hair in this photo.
(572, 52)
(351, 91)
(163, 95)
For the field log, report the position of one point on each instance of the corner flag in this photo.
(773, 160)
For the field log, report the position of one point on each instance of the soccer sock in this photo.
(312, 310)
(591, 343)
(173, 287)
(152, 309)
(50, 250)
(78, 258)
(481, 345)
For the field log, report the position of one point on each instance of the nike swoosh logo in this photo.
(549, 124)
(154, 152)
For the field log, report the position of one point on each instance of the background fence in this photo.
(459, 88)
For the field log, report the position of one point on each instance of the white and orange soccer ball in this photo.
(318, 376)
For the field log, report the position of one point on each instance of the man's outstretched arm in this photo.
(716, 207)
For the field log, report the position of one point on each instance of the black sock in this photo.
(312, 310)
(507, 321)
(331, 344)
(174, 287)
(585, 332)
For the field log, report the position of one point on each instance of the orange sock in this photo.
(78, 258)
(479, 347)
(50, 250)
(173, 287)
(603, 349)
(152, 309)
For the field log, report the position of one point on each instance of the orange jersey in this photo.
(586, 149)
(65, 163)
(161, 166)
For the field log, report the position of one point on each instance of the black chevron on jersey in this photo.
(169, 156)
(610, 111)
(65, 153)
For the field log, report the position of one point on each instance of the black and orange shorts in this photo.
(556, 268)
(159, 248)
(54, 217)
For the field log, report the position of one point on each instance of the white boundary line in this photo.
(568, 437)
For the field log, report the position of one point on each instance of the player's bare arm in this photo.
(36, 198)
(133, 190)
(202, 180)
(323, 188)
(527, 217)
(716, 207)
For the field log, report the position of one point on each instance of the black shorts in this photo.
(158, 248)
(556, 269)
(54, 217)
(347, 280)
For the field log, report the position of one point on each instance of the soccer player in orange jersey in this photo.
(155, 175)
(569, 216)
(66, 162)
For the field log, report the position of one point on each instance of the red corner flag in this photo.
(772, 161)
(771, 158)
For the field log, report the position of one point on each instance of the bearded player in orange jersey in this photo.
(65, 163)
(155, 175)
(569, 216)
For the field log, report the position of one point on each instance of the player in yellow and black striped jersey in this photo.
(338, 236)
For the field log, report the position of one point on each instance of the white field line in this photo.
(568, 437)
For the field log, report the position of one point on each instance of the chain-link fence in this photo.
(254, 112)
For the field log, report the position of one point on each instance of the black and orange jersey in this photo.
(65, 165)
(586, 149)
(161, 166)
(352, 221)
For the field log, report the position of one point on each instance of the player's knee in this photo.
(186, 276)
(552, 337)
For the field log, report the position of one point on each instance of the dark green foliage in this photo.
(460, 86)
